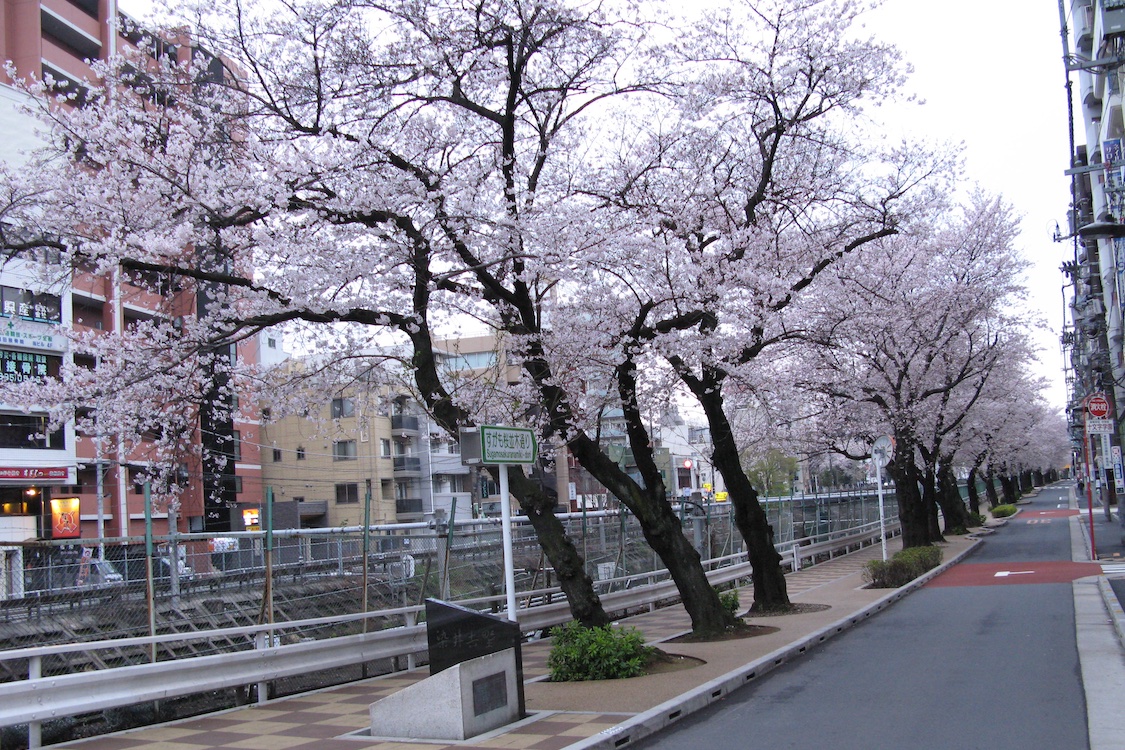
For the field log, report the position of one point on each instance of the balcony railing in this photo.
(408, 505)
(408, 463)
(404, 422)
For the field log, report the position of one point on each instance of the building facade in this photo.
(60, 484)
(1094, 48)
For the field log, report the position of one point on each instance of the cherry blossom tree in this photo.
(743, 195)
(632, 212)
(917, 331)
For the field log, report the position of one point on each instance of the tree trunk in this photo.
(664, 533)
(585, 605)
(949, 496)
(974, 493)
(911, 512)
(990, 487)
(1008, 485)
(770, 591)
(930, 504)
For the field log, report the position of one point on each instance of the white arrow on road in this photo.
(1006, 573)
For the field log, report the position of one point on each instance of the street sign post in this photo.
(880, 456)
(500, 446)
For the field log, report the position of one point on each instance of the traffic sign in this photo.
(489, 444)
(882, 450)
(1097, 406)
(1099, 426)
(508, 445)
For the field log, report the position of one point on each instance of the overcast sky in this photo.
(991, 77)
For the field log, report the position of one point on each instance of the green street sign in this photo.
(508, 445)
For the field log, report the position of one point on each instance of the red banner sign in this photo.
(34, 473)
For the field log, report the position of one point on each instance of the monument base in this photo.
(460, 702)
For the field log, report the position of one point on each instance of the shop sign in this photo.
(64, 518)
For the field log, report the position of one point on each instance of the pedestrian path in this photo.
(561, 715)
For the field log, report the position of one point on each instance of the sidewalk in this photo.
(604, 714)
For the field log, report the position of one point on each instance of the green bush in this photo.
(976, 519)
(1003, 511)
(902, 568)
(729, 600)
(605, 653)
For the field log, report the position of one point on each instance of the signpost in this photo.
(881, 456)
(1096, 420)
(500, 446)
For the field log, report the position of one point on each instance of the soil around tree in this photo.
(797, 608)
(661, 662)
(738, 632)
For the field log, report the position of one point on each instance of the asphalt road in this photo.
(983, 659)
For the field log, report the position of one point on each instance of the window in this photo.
(343, 450)
(277, 455)
(347, 493)
(384, 447)
(300, 453)
(236, 445)
(271, 342)
(298, 498)
(266, 414)
(26, 431)
(342, 407)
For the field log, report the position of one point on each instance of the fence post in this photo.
(34, 728)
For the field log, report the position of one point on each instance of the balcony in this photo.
(407, 506)
(408, 465)
(404, 423)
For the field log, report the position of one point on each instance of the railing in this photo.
(408, 463)
(38, 698)
(404, 422)
(404, 505)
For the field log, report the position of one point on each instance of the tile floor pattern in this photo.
(318, 720)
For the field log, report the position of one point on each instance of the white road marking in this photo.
(1006, 573)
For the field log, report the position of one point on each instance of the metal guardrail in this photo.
(39, 699)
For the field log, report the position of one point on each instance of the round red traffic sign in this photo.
(1098, 406)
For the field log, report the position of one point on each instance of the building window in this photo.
(25, 431)
(300, 453)
(343, 450)
(236, 445)
(271, 342)
(298, 498)
(342, 407)
(277, 455)
(384, 447)
(347, 493)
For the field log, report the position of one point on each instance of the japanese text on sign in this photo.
(508, 445)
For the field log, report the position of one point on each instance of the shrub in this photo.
(729, 600)
(903, 568)
(976, 519)
(1003, 511)
(604, 653)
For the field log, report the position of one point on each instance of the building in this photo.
(64, 484)
(1093, 339)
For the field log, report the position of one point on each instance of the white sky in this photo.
(991, 76)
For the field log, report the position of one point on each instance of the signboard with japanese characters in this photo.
(17, 367)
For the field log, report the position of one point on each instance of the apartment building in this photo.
(61, 484)
(1094, 45)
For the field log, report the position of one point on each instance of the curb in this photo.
(1113, 606)
(667, 713)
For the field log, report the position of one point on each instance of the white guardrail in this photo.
(38, 699)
